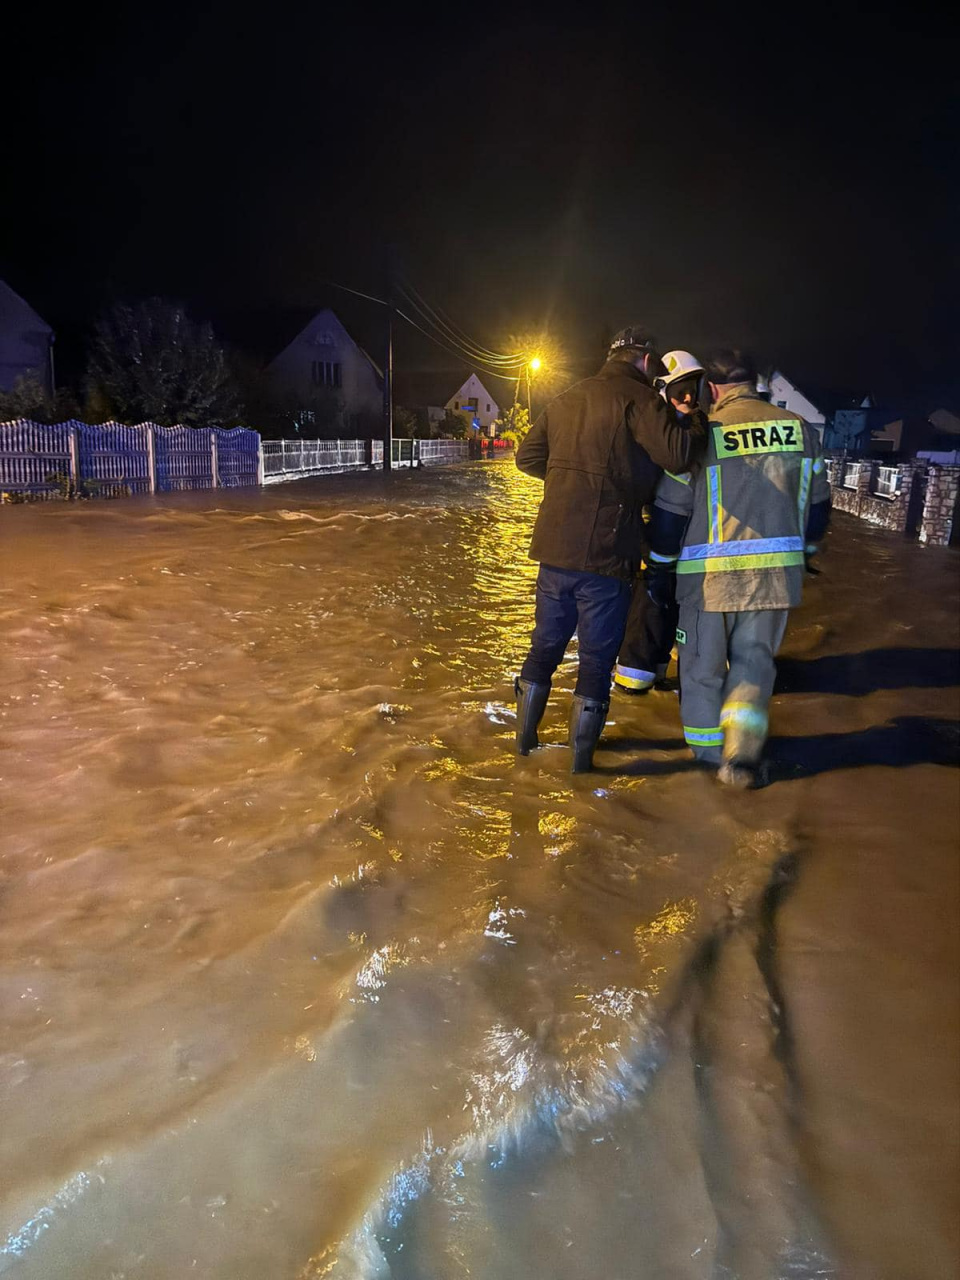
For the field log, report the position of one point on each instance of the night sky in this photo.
(789, 183)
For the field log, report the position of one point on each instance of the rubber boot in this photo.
(531, 703)
(587, 719)
(742, 775)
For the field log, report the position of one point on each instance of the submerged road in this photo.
(303, 974)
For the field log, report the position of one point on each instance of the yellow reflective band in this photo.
(783, 436)
(695, 737)
(726, 564)
(746, 715)
(818, 466)
(806, 471)
(714, 505)
(681, 479)
(631, 682)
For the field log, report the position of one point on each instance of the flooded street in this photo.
(303, 974)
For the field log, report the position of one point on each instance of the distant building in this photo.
(26, 343)
(785, 395)
(324, 359)
(476, 403)
(865, 428)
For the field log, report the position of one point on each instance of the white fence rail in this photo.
(299, 459)
(434, 452)
(40, 460)
(888, 482)
(111, 459)
(296, 459)
(851, 474)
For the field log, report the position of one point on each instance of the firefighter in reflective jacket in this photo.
(651, 625)
(738, 531)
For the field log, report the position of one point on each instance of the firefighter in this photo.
(599, 449)
(645, 653)
(738, 530)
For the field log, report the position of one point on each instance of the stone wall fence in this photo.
(909, 497)
(940, 506)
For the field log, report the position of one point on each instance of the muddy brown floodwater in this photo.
(303, 975)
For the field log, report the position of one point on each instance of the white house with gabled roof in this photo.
(785, 395)
(474, 400)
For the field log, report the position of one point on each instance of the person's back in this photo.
(744, 546)
(738, 530)
(598, 448)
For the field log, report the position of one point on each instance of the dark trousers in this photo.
(648, 641)
(593, 606)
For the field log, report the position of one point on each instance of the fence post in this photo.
(261, 470)
(74, 462)
(213, 459)
(151, 459)
(940, 505)
(864, 484)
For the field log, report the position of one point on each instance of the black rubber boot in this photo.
(531, 703)
(587, 719)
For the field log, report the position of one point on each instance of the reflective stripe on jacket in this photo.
(747, 506)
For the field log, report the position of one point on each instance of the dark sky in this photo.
(790, 183)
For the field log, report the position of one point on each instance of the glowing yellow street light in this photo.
(535, 363)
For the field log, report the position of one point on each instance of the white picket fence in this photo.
(299, 459)
(111, 459)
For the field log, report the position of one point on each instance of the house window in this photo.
(488, 408)
(781, 404)
(326, 373)
(456, 404)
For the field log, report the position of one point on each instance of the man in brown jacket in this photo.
(600, 448)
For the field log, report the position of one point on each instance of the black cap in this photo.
(636, 337)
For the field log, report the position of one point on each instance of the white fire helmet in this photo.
(678, 364)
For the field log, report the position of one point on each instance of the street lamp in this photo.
(534, 365)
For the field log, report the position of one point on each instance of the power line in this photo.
(453, 333)
(462, 353)
(356, 292)
(452, 351)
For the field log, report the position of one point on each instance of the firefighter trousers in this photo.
(727, 672)
(647, 643)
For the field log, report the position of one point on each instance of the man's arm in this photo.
(672, 440)
(671, 515)
(535, 449)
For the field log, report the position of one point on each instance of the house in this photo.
(474, 400)
(865, 428)
(26, 343)
(324, 366)
(785, 395)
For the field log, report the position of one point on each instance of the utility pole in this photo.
(388, 378)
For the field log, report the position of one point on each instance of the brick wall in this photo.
(940, 505)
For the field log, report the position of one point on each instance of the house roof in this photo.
(472, 376)
(418, 388)
(16, 310)
(327, 316)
